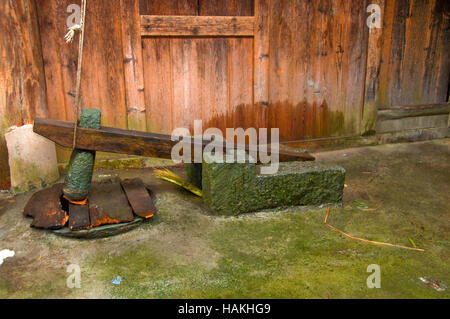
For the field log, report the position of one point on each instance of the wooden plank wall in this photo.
(317, 67)
(22, 83)
(408, 64)
(103, 84)
(415, 53)
(208, 78)
(312, 69)
(112, 70)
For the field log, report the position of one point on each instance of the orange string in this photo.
(365, 240)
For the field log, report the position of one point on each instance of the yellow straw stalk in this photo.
(169, 176)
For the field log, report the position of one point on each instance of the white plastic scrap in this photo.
(5, 253)
(433, 283)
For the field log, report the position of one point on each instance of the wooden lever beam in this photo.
(114, 140)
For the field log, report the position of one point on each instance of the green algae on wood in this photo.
(81, 165)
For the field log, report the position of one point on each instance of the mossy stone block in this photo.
(194, 173)
(236, 188)
(81, 165)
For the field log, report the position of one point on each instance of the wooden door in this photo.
(198, 62)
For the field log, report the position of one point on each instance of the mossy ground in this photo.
(290, 253)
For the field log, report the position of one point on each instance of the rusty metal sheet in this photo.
(79, 217)
(46, 209)
(138, 197)
(108, 204)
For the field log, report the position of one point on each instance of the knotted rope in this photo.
(69, 38)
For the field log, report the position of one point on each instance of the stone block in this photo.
(236, 188)
(32, 159)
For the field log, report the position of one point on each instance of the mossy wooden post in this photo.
(81, 165)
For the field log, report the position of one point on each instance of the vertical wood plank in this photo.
(34, 100)
(261, 63)
(22, 82)
(133, 66)
(158, 84)
(373, 65)
(435, 83)
(241, 110)
(215, 99)
(317, 67)
(59, 64)
(226, 7)
(227, 100)
(415, 64)
(103, 84)
(186, 97)
(169, 7)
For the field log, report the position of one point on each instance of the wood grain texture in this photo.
(158, 84)
(373, 64)
(261, 63)
(226, 8)
(60, 60)
(168, 7)
(199, 26)
(412, 123)
(199, 78)
(103, 83)
(133, 65)
(304, 70)
(317, 67)
(22, 81)
(416, 42)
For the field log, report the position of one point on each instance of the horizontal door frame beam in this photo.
(197, 26)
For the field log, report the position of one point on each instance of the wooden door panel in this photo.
(189, 79)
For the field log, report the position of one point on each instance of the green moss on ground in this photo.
(287, 254)
(290, 255)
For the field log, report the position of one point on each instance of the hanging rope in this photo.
(69, 38)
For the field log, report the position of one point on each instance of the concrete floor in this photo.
(185, 253)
